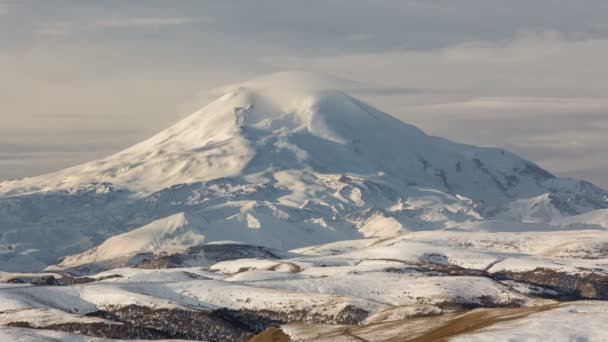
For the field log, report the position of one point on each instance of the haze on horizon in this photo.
(81, 80)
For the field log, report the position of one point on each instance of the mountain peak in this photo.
(297, 121)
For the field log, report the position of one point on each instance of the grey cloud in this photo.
(388, 91)
(32, 148)
(123, 22)
(568, 145)
(509, 73)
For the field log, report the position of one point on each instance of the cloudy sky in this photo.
(83, 79)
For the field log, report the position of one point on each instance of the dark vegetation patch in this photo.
(583, 285)
(567, 286)
(50, 280)
(102, 330)
(139, 322)
(212, 253)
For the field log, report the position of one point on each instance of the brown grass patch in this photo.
(273, 334)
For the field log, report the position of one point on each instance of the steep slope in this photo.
(169, 235)
(282, 161)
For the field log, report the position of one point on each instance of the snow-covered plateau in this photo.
(287, 210)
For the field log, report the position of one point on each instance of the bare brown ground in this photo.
(431, 329)
(273, 334)
(475, 320)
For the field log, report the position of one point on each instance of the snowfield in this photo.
(287, 209)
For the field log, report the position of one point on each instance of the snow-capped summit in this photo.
(298, 121)
(283, 161)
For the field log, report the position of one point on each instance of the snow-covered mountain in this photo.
(289, 209)
(283, 161)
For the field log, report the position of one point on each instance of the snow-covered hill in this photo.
(283, 161)
(414, 285)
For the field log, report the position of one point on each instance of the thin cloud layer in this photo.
(528, 76)
(118, 22)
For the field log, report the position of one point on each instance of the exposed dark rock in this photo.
(349, 315)
(16, 281)
(568, 286)
(575, 203)
(50, 280)
(103, 330)
(439, 270)
(66, 281)
(425, 163)
(436, 264)
(561, 285)
(218, 325)
(444, 179)
(479, 164)
(484, 301)
(210, 253)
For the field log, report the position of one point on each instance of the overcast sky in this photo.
(83, 79)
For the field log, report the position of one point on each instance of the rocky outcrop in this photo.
(103, 330)
(567, 286)
(205, 255)
(51, 280)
